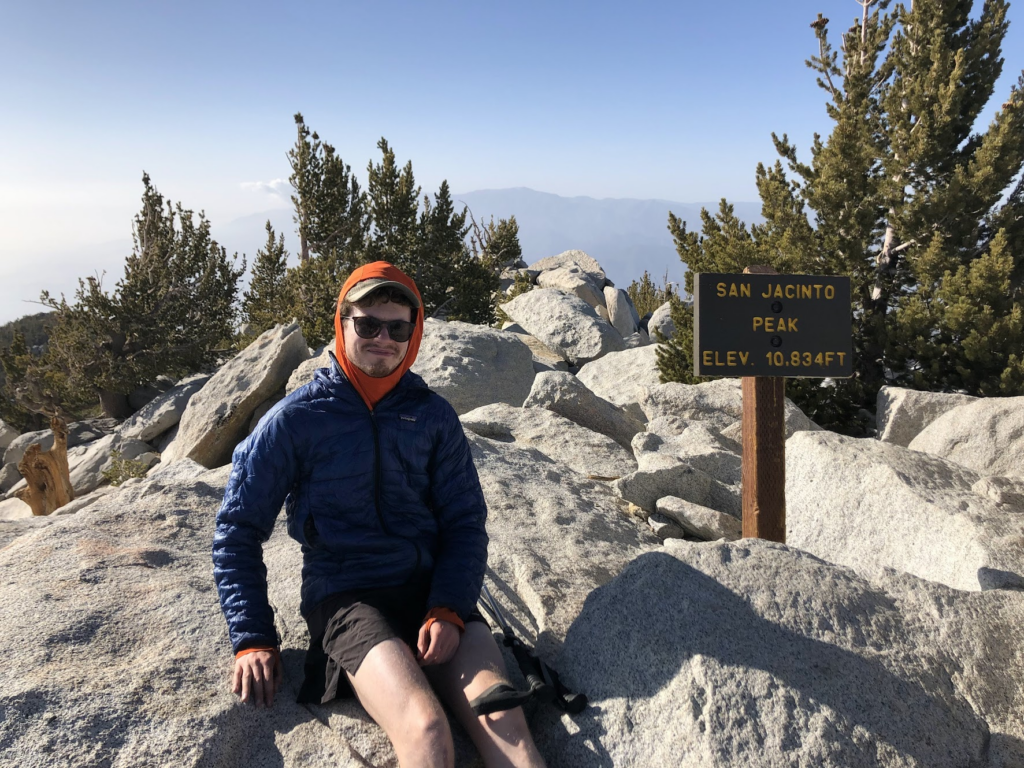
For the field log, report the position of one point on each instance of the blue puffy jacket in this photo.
(376, 499)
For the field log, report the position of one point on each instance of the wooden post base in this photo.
(764, 458)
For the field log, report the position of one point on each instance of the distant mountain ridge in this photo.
(626, 236)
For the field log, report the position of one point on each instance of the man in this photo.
(381, 492)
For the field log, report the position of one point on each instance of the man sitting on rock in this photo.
(381, 492)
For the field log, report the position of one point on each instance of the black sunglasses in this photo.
(369, 328)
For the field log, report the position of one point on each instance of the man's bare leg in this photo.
(503, 738)
(394, 691)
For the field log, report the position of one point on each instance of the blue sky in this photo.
(646, 100)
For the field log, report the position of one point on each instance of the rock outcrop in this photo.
(79, 433)
(471, 366)
(986, 435)
(7, 435)
(565, 324)
(719, 403)
(162, 412)
(661, 321)
(567, 396)
(590, 267)
(902, 414)
(590, 453)
(621, 313)
(572, 280)
(884, 633)
(621, 377)
(217, 416)
(303, 373)
(757, 654)
(872, 505)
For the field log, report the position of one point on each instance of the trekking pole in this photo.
(542, 679)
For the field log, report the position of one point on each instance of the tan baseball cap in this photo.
(366, 287)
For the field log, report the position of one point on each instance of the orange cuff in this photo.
(274, 651)
(444, 614)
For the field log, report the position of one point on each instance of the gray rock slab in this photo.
(718, 402)
(665, 527)
(14, 509)
(7, 435)
(622, 377)
(662, 474)
(572, 280)
(145, 394)
(661, 321)
(590, 453)
(216, 416)
(638, 339)
(9, 477)
(11, 529)
(1008, 491)
(565, 324)
(88, 462)
(303, 374)
(620, 311)
(166, 439)
(263, 408)
(873, 505)
(133, 658)
(901, 414)
(567, 396)
(698, 446)
(472, 365)
(756, 654)
(702, 522)
(986, 436)
(83, 501)
(162, 412)
(544, 359)
(554, 537)
(570, 258)
(79, 433)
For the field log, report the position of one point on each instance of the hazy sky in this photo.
(672, 100)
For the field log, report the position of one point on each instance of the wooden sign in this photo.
(764, 327)
(772, 325)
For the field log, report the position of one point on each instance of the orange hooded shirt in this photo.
(372, 389)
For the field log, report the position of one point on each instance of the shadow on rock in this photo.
(675, 662)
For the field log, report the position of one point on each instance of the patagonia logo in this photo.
(403, 417)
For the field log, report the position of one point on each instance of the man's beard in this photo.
(380, 369)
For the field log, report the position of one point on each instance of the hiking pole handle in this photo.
(530, 666)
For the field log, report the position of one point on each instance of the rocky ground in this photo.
(885, 632)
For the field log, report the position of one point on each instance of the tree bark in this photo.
(47, 474)
(115, 404)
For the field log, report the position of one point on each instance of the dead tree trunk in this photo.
(47, 474)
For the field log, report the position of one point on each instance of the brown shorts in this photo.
(344, 627)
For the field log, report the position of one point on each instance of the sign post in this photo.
(765, 327)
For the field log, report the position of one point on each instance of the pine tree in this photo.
(905, 198)
(393, 202)
(172, 312)
(497, 241)
(268, 301)
(332, 223)
(647, 295)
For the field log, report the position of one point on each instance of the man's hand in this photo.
(438, 644)
(257, 675)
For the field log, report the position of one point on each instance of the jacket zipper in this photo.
(376, 475)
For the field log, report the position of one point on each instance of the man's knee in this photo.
(509, 725)
(426, 727)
